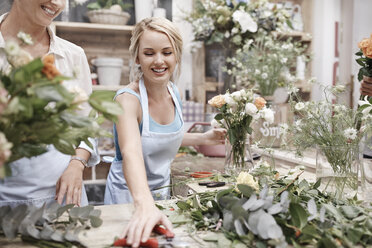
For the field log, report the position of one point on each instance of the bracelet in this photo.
(83, 161)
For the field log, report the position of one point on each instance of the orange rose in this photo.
(366, 46)
(259, 102)
(217, 101)
(49, 69)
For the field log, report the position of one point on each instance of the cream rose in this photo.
(246, 178)
(217, 101)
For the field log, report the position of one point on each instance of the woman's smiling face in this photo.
(41, 12)
(156, 57)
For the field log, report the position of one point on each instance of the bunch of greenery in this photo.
(37, 109)
(284, 211)
(52, 226)
(265, 63)
(234, 22)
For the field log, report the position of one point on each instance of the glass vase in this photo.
(337, 169)
(238, 156)
(366, 179)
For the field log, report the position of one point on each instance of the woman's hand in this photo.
(366, 88)
(70, 183)
(144, 218)
(214, 136)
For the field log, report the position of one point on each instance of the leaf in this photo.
(64, 146)
(183, 205)
(350, 212)
(95, 221)
(63, 209)
(227, 219)
(275, 209)
(267, 227)
(211, 237)
(11, 221)
(317, 184)
(246, 190)
(47, 232)
(239, 227)
(223, 242)
(354, 235)
(298, 215)
(311, 207)
(218, 117)
(253, 220)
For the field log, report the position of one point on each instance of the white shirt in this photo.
(33, 179)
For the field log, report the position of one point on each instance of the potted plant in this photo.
(108, 12)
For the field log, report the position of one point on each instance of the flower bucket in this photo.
(337, 169)
(109, 70)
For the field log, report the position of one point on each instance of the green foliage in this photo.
(216, 21)
(299, 216)
(37, 112)
(52, 226)
(264, 63)
(366, 65)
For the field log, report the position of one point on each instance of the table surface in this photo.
(115, 217)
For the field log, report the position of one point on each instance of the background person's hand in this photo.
(215, 136)
(143, 220)
(70, 183)
(366, 88)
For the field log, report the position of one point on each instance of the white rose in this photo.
(237, 96)
(250, 109)
(245, 21)
(268, 115)
(229, 100)
(264, 75)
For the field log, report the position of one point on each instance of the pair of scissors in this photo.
(201, 174)
(167, 240)
(212, 184)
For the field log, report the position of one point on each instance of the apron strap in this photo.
(145, 106)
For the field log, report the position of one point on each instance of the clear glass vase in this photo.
(337, 169)
(238, 156)
(366, 178)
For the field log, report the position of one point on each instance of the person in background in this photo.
(150, 131)
(52, 175)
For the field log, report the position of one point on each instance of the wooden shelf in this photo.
(83, 27)
(107, 87)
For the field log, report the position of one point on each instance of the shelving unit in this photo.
(99, 40)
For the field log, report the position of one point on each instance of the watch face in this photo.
(280, 95)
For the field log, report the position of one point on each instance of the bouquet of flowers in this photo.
(365, 58)
(265, 63)
(336, 132)
(233, 22)
(236, 113)
(37, 109)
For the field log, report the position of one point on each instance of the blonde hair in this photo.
(161, 25)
